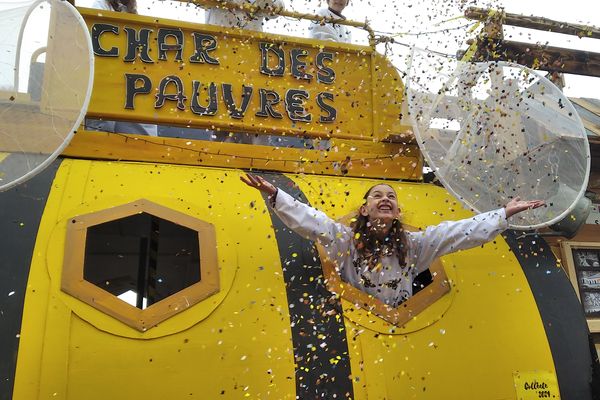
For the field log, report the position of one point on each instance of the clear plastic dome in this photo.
(493, 131)
(46, 74)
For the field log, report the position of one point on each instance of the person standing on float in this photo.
(331, 31)
(243, 19)
(129, 6)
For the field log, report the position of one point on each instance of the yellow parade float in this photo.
(140, 267)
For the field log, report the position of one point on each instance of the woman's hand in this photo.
(517, 205)
(259, 183)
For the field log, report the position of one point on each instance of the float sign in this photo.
(204, 76)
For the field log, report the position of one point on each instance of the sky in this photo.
(413, 20)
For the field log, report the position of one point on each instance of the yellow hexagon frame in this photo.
(394, 315)
(74, 284)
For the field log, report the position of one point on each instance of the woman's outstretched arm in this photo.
(451, 236)
(258, 182)
(517, 205)
(299, 217)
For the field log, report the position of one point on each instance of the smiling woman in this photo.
(375, 253)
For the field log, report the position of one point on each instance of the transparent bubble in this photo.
(493, 131)
(46, 73)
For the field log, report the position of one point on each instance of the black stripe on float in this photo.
(21, 210)
(562, 315)
(322, 363)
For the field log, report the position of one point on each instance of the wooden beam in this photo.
(539, 23)
(345, 158)
(552, 59)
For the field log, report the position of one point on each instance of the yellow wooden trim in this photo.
(347, 158)
(381, 149)
(394, 315)
(361, 73)
(567, 257)
(142, 320)
(470, 52)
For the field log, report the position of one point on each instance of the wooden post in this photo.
(538, 23)
(490, 39)
(492, 46)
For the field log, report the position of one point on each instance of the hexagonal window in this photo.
(142, 259)
(140, 262)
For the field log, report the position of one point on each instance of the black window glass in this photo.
(141, 258)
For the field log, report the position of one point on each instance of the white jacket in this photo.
(101, 5)
(391, 284)
(329, 31)
(241, 19)
(105, 5)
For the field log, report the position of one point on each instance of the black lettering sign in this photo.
(97, 31)
(535, 385)
(137, 44)
(179, 97)
(325, 74)
(331, 112)
(268, 99)
(211, 108)
(205, 98)
(203, 44)
(164, 47)
(298, 66)
(294, 105)
(265, 50)
(234, 111)
(132, 89)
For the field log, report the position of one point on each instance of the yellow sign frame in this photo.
(366, 92)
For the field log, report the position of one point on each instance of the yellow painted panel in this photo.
(491, 328)
(365, 159)
(534, 385)
(366, 91)
(241, 346)
(36, 311)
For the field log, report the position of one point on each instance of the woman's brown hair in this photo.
(370, 248)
